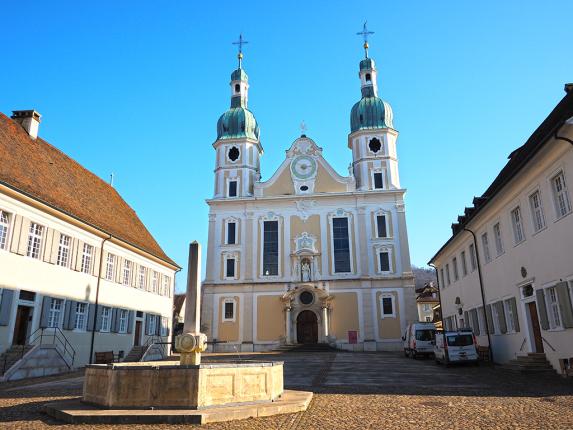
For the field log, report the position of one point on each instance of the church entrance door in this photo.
(307, 327)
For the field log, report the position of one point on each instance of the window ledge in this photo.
(539, 231)
(562, 216)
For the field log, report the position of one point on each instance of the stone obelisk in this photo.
(192, 342)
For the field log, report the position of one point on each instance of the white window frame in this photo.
(142, 278)
(517, 224)
(498, 239)
(485, 246)
(381, 172)
(380, 250)
(273, 217)
(223, 316)
(63, 259)
(164, 327)
(386, 216)
(464, 263)
(508, 316)
(473, 257)
(87, 255)
(151, 325)
(166, 285)
(448, 277)
(230, 256)
(393, 301)
(123, 321)
(81, 318)
(455, 267)
(228, 187)
(227, 222)
(537, 213)
(56, 313)
(126, 272)
(110, 266)
(561, 200)
(105, 319)
(5, 219)
(553, 313)
(35, 241)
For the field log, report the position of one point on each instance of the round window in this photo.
(375, 145)
(306, 298)
(233, 153)
(303, 188)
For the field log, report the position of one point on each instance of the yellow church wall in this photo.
(344, 315)
(282, 186)
(229, 330)
(388, 328)
(311, 226)
(270, 318)
(325, 183)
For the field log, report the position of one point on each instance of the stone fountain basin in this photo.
(168, 385)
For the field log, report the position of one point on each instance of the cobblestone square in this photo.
(359, 390)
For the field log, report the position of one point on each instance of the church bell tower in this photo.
(372, 136)
(238, 145)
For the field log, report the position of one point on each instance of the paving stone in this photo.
(358, 391)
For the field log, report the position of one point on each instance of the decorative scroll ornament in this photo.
(305, 242)
(304, 207)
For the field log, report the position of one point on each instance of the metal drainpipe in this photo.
(439, 293)
(97, 299)
(482, 295)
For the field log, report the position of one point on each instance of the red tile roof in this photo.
(43, 172)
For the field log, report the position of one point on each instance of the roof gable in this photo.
(43, 172)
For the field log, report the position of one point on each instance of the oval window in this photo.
(306, 298)
(304, 188)
(233, 153)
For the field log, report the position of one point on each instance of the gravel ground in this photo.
(358, 390)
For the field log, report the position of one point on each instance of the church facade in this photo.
(309, 255)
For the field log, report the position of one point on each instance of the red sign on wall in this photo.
(352, 336)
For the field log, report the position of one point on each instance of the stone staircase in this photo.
(12, 355)
(309, 347)
(532, 363)
(135, 355)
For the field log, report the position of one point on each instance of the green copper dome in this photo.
(371, 112)
(239, 75)
(237, 122)
(367, 64)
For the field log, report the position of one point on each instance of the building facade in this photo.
(65, 235)
(523, 247)
(309, 255)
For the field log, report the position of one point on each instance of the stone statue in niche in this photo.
(305, 270)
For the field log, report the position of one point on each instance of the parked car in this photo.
(455, 347)
(419, 339)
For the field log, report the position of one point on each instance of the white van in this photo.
(419, 339)
(455, 347)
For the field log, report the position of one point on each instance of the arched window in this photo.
(237, 88)
(368, 77)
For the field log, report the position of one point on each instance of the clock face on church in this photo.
(303, 167)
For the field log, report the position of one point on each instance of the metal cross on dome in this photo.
(365, 33)
(240, 43)
(303, 128)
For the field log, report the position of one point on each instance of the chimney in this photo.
(29, 120)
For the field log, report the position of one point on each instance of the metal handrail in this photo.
(56, 335)
(522, 344)
(154, 340)
(550, 346)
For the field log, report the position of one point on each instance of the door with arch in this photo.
(307, 327)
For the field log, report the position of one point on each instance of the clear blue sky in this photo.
(136, 88)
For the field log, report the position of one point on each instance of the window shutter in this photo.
(55, 247)
(6, 306)
(565, 308)
(99, 317)
(77, 263)
(96, 262)
(480, 312)
(67, 312)
(513, 304)
(48, 237)
(130, 321)
(501, 317)
(24, 233)
(118, 269)
(489, 319)
(16, 233)
(158, 325)
(114, 313)
(542, 309)
(475, 321)
(46, 303)
(91, 316)
(466, 319)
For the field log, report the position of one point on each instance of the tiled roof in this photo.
(43, 172)
(178, 301)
